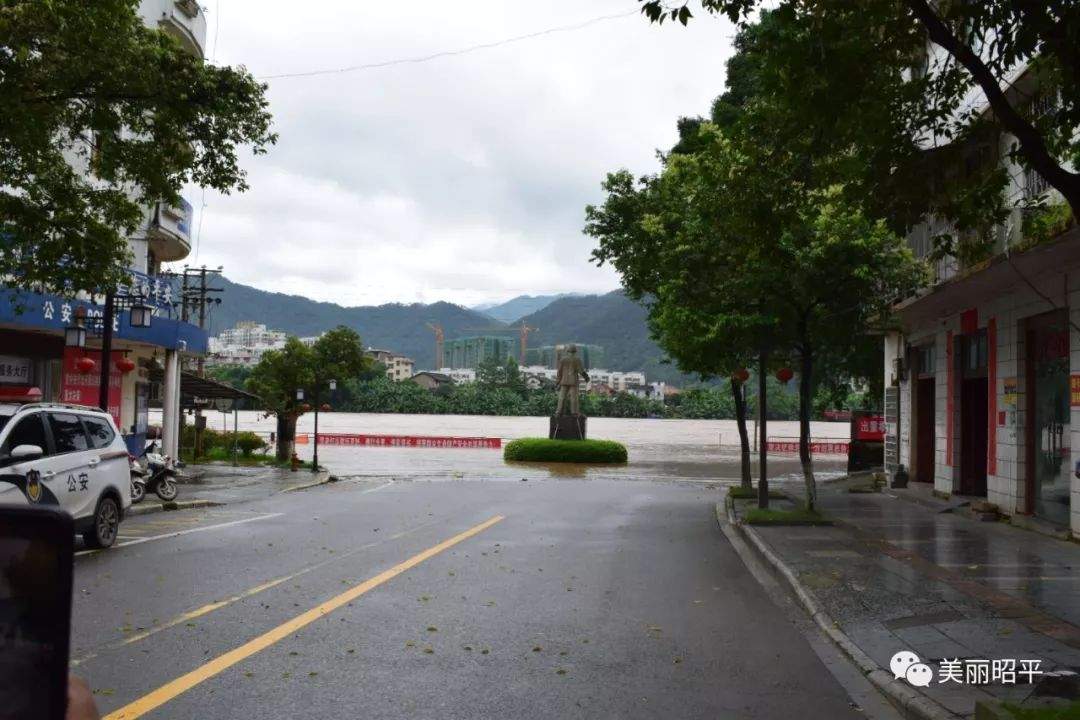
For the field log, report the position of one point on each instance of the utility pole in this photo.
(195, 296)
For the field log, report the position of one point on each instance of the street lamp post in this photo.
(315, 455)
(139, 317)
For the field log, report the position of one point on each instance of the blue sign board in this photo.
(40, 310)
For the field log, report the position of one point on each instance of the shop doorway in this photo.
(923, 414)
(974, 407)
(1047, 478)
(924, 430)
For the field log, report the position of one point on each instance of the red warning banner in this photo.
(817, 447)
(416, 441)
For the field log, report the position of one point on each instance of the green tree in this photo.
(337, 355)
(235, 375)
(746, 251)
(870, 56)
(87, 86)
(277, 377)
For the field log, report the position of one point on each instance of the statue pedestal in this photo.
(567, 427)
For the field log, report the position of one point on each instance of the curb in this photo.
(167, 506)
(321, 478)
(913, 704)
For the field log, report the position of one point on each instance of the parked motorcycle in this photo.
(158, 476)
(138, 479)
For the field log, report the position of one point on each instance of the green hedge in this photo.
(569, 451)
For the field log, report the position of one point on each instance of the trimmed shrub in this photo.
(736, 492)
(568, 451)
(249, 442)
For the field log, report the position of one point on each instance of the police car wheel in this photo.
(106, 525)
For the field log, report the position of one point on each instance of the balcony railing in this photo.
(170, 231)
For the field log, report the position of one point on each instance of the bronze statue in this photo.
(570, 368)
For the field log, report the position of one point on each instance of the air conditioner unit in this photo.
(188, 7)
(900, 369)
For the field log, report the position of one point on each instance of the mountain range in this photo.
(611, 320)
(518, 307)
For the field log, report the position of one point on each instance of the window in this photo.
(28, 431)
(68, 433)
(976, 352)
(926, 361)
(101, 435)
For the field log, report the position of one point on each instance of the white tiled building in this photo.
(983, 381)
(398, 367)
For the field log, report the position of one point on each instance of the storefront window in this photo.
(1049, 374)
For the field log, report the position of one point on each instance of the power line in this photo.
(453, 53)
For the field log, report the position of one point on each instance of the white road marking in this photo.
(376, 489)
(185, 532)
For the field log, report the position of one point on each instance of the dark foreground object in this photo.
(567, 427)
(569, 451)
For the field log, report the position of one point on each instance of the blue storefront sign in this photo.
(39, 310)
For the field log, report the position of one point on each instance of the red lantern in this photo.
(325, 407)
(741, 375)
(85, 364)
(125, 365)
(785, 374)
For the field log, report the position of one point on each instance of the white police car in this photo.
(66, 455)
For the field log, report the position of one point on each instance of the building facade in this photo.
(398, 367)
(32, 325)
(244, 344)
(470, 352)
(592, 356)
(983, 375)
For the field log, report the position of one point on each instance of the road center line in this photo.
(182, 684)
(218, 604)
(178, 533)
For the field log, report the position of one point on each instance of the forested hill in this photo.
(611, 320)
(397, 327)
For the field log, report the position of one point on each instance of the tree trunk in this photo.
(763, 446)
(286, 436)
(806, 360)
(1032, 144)
(737, 390)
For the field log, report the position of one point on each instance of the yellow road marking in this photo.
(182, 684)
(218, 604)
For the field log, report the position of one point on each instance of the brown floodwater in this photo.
(666, 450)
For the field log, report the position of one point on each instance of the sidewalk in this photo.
(894, 575)
(205, 485)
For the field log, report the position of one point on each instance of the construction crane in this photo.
(525, 330)
(440, 338)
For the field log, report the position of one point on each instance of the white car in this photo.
(66, 455)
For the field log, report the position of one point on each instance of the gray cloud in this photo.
(461, 179)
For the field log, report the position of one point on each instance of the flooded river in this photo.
(674, 450)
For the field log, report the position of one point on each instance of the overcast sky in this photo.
(462, 179)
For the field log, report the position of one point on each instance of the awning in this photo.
(206, 390)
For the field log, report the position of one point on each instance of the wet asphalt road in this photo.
(588, 599)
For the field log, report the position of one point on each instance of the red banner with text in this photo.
(82, 388)
(401, 441)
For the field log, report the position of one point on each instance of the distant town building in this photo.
(398, 367)
(249, 334)
(592, 356)
(470, 352)
(431, 380)
(616, 380)
(459, 376)
(244, 344)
